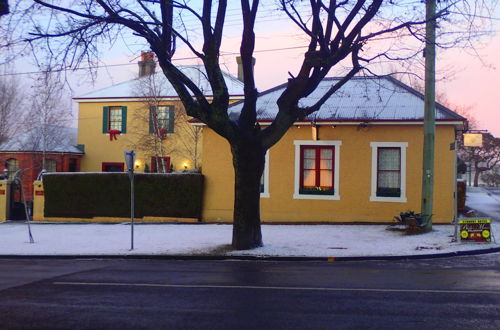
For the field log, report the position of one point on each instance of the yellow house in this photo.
(358, 159)
(145, 115)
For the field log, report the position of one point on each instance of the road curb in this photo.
(259, 258)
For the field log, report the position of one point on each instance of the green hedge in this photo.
(87, 195)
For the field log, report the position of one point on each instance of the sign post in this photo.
(129, 161)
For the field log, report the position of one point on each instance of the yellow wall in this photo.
(355, 177)
(99, 148)
(4, 200)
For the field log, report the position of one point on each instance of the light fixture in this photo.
(137, 163)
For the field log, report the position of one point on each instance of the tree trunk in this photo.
(248, 162)
(476, 177)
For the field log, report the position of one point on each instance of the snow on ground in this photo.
(480, 200)
(212, 239)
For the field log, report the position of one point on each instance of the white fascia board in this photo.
(140, 99)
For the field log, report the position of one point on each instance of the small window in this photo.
(160, 164)
(113, 167)
(115, 118)
(50, 165)
(388, 172)
(12, 166)
(161, 118)
(317, 169)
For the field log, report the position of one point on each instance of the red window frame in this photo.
(104, 165)
(317, 169)
(379, 170)
(153, 164)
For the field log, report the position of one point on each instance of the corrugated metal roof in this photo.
(131, 88)
(59, 139)
(360, 99)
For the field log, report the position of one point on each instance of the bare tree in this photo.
(483, 158)
(337, 32)
(10, 106)
(169, 132)
(4, 7)
(47, 117)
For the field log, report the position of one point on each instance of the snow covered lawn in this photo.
(479, 199)
(212, 239)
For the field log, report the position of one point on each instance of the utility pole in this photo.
(429, 114)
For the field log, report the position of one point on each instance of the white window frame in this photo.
(336, 168)
(265, 174)
(402, 146)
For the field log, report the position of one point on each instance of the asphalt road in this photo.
(451, 293)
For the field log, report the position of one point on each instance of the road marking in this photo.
(201, 286)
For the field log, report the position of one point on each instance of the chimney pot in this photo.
(240, 67)
(147, 64)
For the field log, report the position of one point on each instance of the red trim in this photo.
(317, 167)
(104, 165)
(153, 164)
(39, 193)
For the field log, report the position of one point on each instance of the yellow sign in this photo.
(473, 140)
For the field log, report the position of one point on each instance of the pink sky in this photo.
(470, 80)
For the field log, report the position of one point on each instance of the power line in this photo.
(125, 64)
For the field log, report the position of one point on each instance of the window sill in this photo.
(388, 199)
(264, 195)
(319, 197)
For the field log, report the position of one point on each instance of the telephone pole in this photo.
(429, 114)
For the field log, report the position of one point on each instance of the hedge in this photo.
(87, 195)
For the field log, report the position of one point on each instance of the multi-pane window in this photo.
(389, 172)
(162, 117)
(388, 181)
(115, 118)
(12, 167)
(316, 170)
(50, 165)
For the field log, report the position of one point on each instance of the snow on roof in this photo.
(131, 88)
(360, 99)
(56, 138)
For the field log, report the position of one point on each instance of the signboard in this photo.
(473, 140)
(475, 230)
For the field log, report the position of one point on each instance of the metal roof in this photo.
(131, 88)
(59, 139)
(360, 99)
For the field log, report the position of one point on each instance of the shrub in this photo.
(87, 195)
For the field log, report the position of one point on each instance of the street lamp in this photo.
(129, 161)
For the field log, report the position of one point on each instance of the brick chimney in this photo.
(240, 67)
(147, 64)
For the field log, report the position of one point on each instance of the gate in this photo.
(17, 211)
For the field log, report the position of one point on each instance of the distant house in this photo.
(26, 151)
(358, 159)
(120, 117)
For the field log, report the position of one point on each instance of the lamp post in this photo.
(129, 161)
